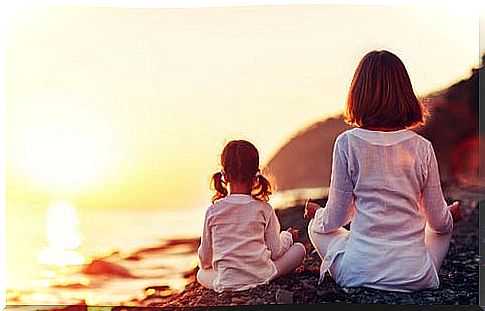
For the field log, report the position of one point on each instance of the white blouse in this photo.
(240, 240)
(387, 185)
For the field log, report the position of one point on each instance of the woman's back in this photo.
(388, 170)
(386, 244)
(385, 181)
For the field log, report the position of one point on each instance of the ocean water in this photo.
(47, 248)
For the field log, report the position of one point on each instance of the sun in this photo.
(60, 158)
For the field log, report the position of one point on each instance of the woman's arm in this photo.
(205, 248)
(339, 209)
(433, 203)
(277, 242)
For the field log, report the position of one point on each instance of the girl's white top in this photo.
(388, 185)
(240, 240)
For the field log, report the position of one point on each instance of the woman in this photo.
(385, 181)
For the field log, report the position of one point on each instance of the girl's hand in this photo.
(295, 233)
(455, 211)
(310, 209)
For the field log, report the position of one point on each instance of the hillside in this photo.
(305, 161)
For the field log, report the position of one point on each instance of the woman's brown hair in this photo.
(240, 162)
(381, 94)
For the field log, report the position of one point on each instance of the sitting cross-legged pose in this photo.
(385, 182)
(241, 245)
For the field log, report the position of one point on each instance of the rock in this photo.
(133, 257)
(103, 267)
(258, 301)
(309, 284)
(284, 296)
(237, 300)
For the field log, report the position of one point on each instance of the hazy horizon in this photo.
(124, 107)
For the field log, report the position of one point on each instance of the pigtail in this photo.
(219, 185)
(262, 189)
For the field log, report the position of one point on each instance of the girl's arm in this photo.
(277, 242)
(339, 209)
(433, 203)
(205, 248)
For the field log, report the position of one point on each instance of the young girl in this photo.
(241, 245)
(385, 182)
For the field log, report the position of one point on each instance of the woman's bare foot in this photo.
(310, 209)
(455, 211)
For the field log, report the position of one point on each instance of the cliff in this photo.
(453, 128)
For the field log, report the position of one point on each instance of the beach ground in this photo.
(459, 275)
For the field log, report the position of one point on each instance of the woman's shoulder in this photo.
(421, 140)
(393, 137)
(343, 137)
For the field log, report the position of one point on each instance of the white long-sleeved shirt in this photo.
(387, 185)
(241, 239)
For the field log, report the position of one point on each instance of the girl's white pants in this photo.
(291, 259)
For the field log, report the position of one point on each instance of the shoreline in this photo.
(458, 275)
(150, 265)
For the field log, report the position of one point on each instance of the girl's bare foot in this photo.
(295, 233)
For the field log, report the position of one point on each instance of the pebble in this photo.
(284, 296)
(237, 300)
(310, 284)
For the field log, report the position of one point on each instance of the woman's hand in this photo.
(455, 211)
(310, 209)
(295, 233)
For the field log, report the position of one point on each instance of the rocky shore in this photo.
(458, 276)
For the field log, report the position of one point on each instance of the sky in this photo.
(131, 107)
(124, 107)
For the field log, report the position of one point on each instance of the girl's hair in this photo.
(381, 94)
(240, 162)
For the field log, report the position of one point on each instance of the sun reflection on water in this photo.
(62, 236)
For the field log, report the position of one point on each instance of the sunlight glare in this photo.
(62, 235)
